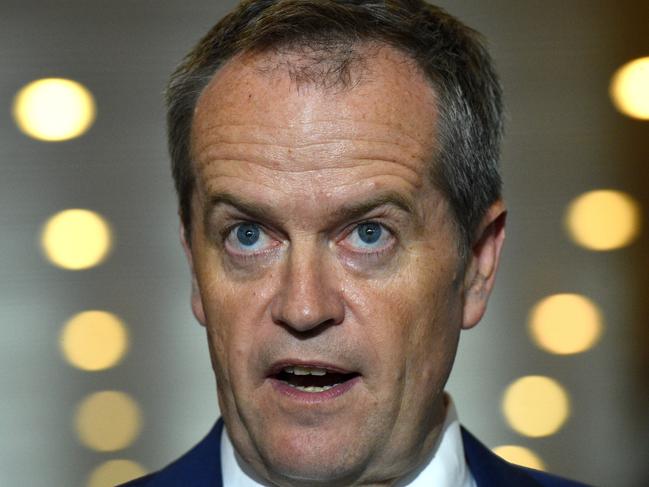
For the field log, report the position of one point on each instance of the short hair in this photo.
(451, 55)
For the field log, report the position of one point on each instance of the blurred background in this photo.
(104, 374)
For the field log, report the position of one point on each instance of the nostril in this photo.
(302, 330)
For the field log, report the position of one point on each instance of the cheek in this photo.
(229, 353)
(414, 318)
(222, 310)
(235, 312)
(438, 318)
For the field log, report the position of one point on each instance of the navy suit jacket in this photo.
(201, 467)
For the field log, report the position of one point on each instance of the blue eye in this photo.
(369, 232)
(369, 236)
(248, 234)
(248, 238)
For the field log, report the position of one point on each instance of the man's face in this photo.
(320, 247)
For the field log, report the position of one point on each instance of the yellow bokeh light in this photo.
(54, 109)
(565, 324)
(520, 456)
(115, 472)
(76, 239)
(629, 89)
(108, 421)
(535, 406)
(603, 220)
(94, 340)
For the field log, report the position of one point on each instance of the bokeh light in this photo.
(94, 340)
(115, 472)
(535, 406)
(54, 109)
(520, 456)
(565, 324)
(108, 421)
(603, 220)
(76, 239)
(629, 89)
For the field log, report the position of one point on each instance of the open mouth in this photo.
(312, 379)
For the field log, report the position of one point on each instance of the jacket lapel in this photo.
(200, 467)
(489, 470)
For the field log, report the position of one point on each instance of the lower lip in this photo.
(313, 397)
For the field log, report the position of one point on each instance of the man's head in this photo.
(322, 166)
(451, 56)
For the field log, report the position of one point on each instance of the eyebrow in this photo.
(260, 211)
(357, 210)
(255, 210)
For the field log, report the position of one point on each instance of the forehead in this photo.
(389, 106)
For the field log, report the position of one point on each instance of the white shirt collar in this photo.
(446, 465)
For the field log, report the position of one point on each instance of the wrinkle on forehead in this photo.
(313, 133)
(248, 122)
(338, 160)
(322, 186)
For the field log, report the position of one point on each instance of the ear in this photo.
(482, 264)
(196, 301)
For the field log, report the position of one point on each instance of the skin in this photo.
(295, 160)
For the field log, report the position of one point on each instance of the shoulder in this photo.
(201, 466)
(488, 469)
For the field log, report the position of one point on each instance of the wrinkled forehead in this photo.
(375, 91)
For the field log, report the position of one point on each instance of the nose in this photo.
(309, 297)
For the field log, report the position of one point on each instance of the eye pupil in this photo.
(369, 232)
(248, 234)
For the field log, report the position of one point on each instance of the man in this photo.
(336, 166)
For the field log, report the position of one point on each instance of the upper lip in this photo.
(278, 366)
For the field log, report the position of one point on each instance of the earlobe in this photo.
(196, 301)
(483, 263)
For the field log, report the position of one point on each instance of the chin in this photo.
(301, 473)
(315, 458)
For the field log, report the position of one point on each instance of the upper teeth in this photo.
(297, 370)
